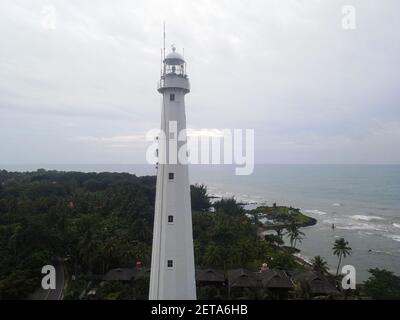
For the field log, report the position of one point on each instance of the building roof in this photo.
(242, 278)
(120, 274)
(210, 275)
(142, 274)
(317, 282)
(275, 279)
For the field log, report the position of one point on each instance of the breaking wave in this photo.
(394, 237)
(361, 226)
(381, 252)
(366, 218)
(317, 212)
(337, 205)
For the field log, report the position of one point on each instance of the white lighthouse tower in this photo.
(172, 262)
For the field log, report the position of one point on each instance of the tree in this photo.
(108, 250)
(212, 256)
(141, 230)
(274, 239)
(199, 198)
(282, 260)
(294, 234)
(319, 265)
(244, 252)
(279, 232)
(229, 206)
(88, 243)
(13, 240)
(93, 221)
(383, 285)
(140, 250)
(341, 249)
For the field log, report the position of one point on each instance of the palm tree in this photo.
(141, 251)
(294, 234)
(108, 251)
(319, 265)
(341, 249)
(298, 236)
(212, 256)
(88, 244)
(88, 250)
(279, 232)
(141, 230)
(13, 240)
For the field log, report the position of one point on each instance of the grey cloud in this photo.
(312, 91)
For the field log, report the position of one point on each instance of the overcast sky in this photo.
(78, 77)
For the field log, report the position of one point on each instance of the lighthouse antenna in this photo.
(184, 65)
(161, 66)
(163, 54)
(164, 37)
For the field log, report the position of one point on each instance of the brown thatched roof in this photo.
(242, 278)
(210, 275)
(142, 274)
(119, 274)
(275, 279)
(318, 283)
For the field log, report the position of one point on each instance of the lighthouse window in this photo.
(172, 97)
(170, 219)
(170, 264)
(171, 176)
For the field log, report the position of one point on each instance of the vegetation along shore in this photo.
(98, 228)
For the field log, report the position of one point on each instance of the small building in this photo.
(277, 282)
(142, 274)
(120, 274)
(210, 277)
(141, 282)
(315, 283)
(242, 278)
(239, 281)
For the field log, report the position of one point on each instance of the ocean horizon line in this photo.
(211, 165)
